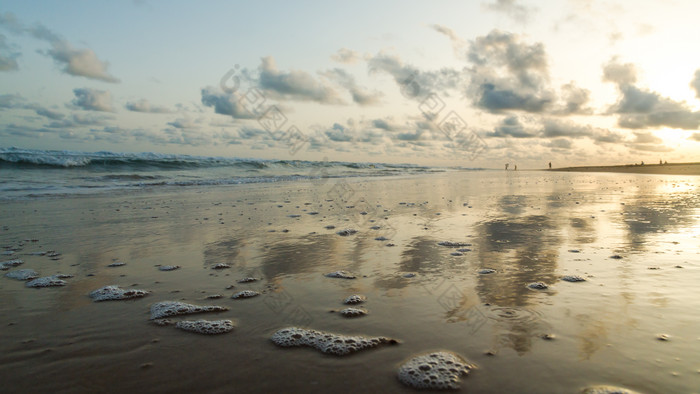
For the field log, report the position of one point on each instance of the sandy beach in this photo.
(666, 169)
(633, 239)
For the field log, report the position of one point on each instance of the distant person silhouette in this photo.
(506, 166)
(550, 165)
(516, 167)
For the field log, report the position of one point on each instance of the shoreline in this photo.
(664, 169)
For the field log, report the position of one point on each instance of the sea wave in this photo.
(28, 158)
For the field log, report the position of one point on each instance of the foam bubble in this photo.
(209, 327)
(487, 271)
(169, 267)
(607, 390)
(173, 308)
(48, 281)
(450, 244)
(109, 293)
(23, 274)
(5, 265)
(353, 312)
(355, 299)
(245, 294)
(346, 232)
(573, 278)
(220, 266)
(337, 344)
(538, 286)
(247, 280)
(439, 370)
(341, 275)
(116, 264)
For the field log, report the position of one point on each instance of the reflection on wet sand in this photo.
(652, 211)
(522, 250)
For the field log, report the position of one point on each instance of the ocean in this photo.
(28, 173)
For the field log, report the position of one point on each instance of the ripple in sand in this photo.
(336, 344)
(355, 299)
(573, 278)
(353, 312)
(109, 293)
(6, 265)
(346, 232)
(245, 294)
(607, 390)
(23, 274)
(169, 267)
(209, 327)
(341, 275)
(174, 308)
(439, 370)
(49, 281)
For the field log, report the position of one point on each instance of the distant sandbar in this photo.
(668, 169)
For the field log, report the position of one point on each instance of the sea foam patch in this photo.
(339, 345)
(341, 275)
(6, 265)
(439, 370)
(607, 390)
(355, 299)
(49, 281)
(245, 294)
(353, 312)
(23, 274)
(110, 293)
(209, 327)
(174, 308)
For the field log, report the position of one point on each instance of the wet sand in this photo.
(666, 169)
(527, 226)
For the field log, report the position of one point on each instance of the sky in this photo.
(455, 83)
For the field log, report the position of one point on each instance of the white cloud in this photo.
(93, 100)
